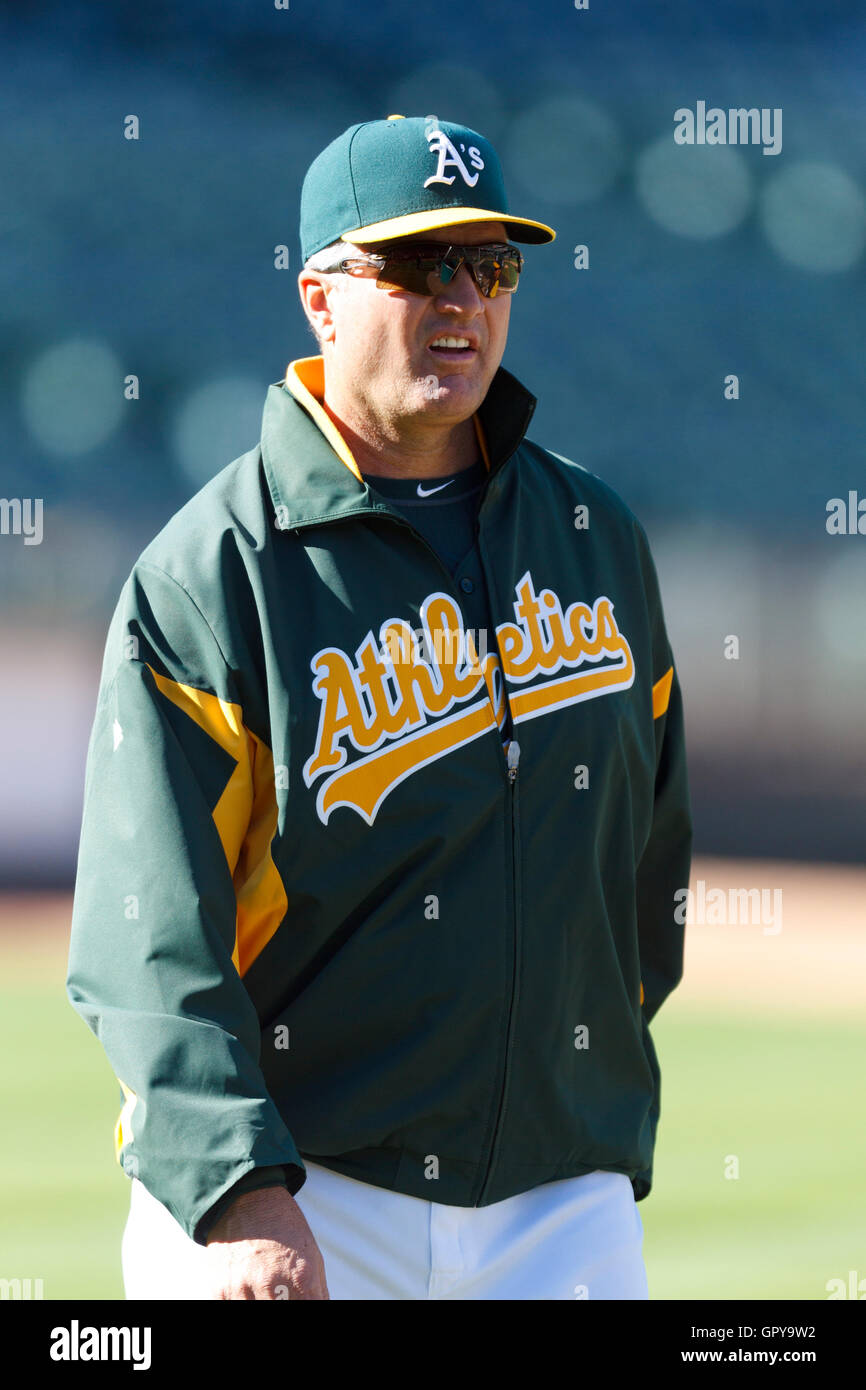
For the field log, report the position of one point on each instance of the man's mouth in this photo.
(452, 345)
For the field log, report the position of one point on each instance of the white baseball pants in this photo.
(576, 1238)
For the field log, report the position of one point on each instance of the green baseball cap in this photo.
(406, 174)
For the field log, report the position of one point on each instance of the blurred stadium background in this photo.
(155, 257)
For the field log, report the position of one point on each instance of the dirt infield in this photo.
(778, 936)
(810, 959)
(34, 936)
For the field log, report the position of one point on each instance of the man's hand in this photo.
(262, 1247)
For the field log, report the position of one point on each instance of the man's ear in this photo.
(316, 292)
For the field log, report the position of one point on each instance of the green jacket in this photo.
(321, 908)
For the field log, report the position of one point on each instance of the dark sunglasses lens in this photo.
(495, 271)
(418, 274)
(427, 272)
(510, 273)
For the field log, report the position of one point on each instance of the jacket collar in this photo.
(309, 467)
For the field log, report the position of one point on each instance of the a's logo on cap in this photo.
(448, 156)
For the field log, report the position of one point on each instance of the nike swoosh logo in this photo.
(427, 491)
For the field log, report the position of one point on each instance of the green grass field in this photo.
(784, 1096)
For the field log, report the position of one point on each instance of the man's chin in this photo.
(452, 392)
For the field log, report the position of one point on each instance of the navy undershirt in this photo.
(445, 510)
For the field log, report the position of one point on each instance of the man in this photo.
(386, 803)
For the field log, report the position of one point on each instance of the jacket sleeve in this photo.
(665, 863)
(169, 797)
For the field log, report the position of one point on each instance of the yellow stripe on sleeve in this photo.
(662, 693)
(245, 817)
(123, 1129)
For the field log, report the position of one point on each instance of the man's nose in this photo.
(462, 291)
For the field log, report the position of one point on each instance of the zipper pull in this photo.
(512, 757)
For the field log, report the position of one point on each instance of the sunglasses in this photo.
(427, 267)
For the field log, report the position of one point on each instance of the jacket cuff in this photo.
(253, 1181)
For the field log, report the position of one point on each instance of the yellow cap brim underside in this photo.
(445, 217)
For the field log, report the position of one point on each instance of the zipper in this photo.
(511, 761)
